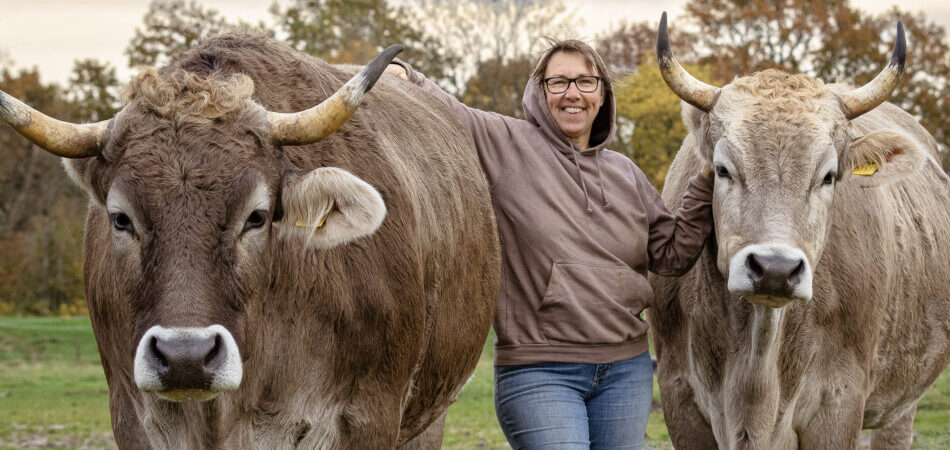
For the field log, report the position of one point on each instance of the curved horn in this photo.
(317, 123)
(865, 98)
(60, 138)
(693, 91)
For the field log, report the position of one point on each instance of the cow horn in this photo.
(693, 91)
(60, 138)
(317, 123)
(865, 98)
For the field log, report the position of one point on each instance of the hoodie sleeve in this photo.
(677, 240)
(491, 132)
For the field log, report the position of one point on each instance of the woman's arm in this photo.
(491, 132)
(677, 240)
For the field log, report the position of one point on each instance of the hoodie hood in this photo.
(536, 111)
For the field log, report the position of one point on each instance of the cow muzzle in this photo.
(770, 275)
(188, 363)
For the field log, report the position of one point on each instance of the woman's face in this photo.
(573, 110)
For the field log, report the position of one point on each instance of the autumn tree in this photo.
(498, 86)
(491, 33)
(831, 40)
(93, 90)
(650, 130)
(624, 46)
(40, 210)
(341, 31)
(171, 26)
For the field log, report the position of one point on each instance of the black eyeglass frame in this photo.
(572, 80)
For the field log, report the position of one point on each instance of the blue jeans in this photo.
(575, 406)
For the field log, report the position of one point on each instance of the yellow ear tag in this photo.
(305, 224)
(867, 170)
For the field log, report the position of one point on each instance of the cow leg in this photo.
(687, 426)
(897, 435)
(430, 438)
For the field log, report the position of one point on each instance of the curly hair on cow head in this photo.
(185, 94)
(771, 84)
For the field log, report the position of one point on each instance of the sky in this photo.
(51, 34)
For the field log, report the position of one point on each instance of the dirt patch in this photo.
(48, 438)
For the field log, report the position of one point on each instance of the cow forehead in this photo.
(773, 115)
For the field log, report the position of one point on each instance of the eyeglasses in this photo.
(557, 85)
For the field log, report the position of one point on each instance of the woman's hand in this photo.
(397, 71)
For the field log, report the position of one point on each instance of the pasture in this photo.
(53, 395)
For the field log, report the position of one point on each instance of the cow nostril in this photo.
(159, 356)
(214, 350)
(755, 269)
(796, 275)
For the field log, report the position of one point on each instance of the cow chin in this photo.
(179, 364)
(770, 274)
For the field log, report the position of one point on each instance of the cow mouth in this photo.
(772, 301)
(180, 395)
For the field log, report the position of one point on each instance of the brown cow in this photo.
(255, 281)
(822, 304)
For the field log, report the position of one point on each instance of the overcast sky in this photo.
(50, 34)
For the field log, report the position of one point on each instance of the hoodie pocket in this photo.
(593, 303)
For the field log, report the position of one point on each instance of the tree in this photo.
(480, 31)
(624, 47)
(342, 31)
(744, 36)
(93, 90)
(831, 40)
(40, 211)
(498, 86)
(651, 130)
(169, 27)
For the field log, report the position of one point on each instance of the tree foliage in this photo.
(170, 26)
(342, 31)
(93, 90)
(40, 211)
(491, 33)
(651, 131)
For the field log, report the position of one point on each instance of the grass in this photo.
(53, 395)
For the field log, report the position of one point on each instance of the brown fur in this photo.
(875, 334)
(363, 345)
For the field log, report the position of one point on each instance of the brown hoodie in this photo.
(579, 230)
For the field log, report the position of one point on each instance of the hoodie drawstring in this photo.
(600, 177)
(580, 173)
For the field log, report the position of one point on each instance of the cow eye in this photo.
(121, 222)
(723, 173)
(829, 178)
(257, 219)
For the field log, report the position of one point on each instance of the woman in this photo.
(579, 226)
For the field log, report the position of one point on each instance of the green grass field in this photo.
(53, 395)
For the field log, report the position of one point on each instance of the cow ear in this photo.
(882, 157)
(692, 117)
(81, 172)
(328, 207)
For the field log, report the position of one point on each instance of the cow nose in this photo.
(187, 362)
(182, 363)
(774, 274)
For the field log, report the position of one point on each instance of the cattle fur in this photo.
(876, 333)
(362, 345)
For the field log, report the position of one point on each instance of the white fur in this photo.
(741, 284)
(228, 378)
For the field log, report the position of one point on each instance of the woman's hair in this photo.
(571, 46)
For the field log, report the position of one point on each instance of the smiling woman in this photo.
(580, 226)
